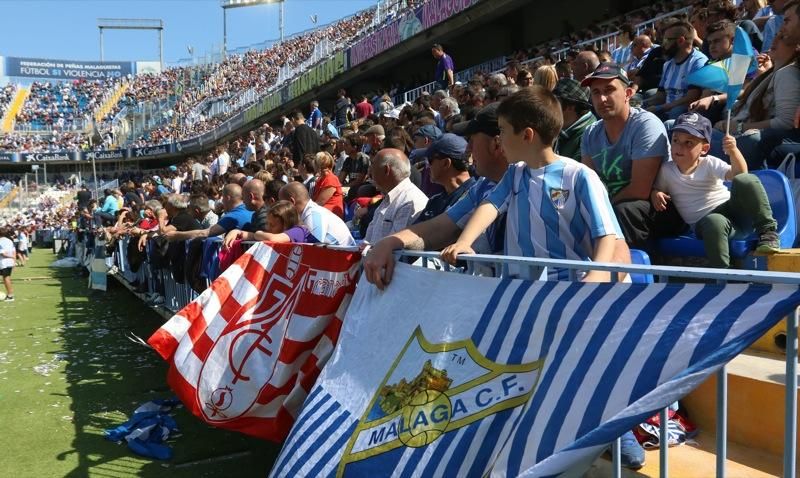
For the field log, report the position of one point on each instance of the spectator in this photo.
(304, 139)
(675, 94)
(307, 172)
(585, 63)
(524, 78)
(363, 108)
(327, 191)
(774, 23)
(236, 217)
(315, 116)
(529, 122)
(626, 148)
(576, 112)
(283, 226)
(448, 168)
(693, 182)
(342, 108)
(324, 226)
(622, 54)
(546, 77)
(253, 199)
(445, 69)
(375, 136)
(767, 107)
(402, 201)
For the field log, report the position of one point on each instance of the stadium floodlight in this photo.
(226, 4)
(133, 24)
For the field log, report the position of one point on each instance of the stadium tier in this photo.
(191, 109)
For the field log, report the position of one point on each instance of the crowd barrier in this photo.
(176, 296)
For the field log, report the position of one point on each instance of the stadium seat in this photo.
(782, 203)
(641, 258)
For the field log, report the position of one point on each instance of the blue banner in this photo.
(137, 153)
(9, 157)
(66, 69)
(56, 156)
(187, 146)
(104, 155)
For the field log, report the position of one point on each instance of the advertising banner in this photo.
(104, 155)
(57, 156)
(187, 146)
(66, 69)
(405, 26)
(137, 153)
(9, 157)
(318, 75)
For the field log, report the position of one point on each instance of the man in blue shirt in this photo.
(236, 217)
(626, 149)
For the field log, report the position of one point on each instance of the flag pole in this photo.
(728, 124)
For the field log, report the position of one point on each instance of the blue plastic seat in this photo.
(743, 243)
(641, 258)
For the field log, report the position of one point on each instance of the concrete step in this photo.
(697, 460)
(756, 397)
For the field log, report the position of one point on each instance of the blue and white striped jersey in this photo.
(673, 80)
(555, 212)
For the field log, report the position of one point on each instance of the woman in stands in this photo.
(764, 112)
(283, 224)
(328, 190)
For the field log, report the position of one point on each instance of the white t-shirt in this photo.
(695, 195)
(7, 247)
(22, 241)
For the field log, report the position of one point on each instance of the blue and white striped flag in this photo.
(728, 75)
(450, 375)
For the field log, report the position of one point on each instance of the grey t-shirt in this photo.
(644, 136)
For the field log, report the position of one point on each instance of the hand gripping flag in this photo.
(453, 375)
(246, 352)
(728, 75)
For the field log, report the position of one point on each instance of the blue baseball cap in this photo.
(448, 145)
(429, 131)
(694, 124)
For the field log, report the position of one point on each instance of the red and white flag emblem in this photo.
(245, 354)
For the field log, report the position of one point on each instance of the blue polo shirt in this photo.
(237, 218)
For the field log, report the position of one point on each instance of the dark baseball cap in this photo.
(607, 71)
(448, 145)
(484, 122)
(694, 124)
(429, 131)
(570, 90)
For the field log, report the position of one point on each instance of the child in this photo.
(693, 181)
(283, 225)
(8, 254)
(557, 207)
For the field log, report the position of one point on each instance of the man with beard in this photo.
(674, 93)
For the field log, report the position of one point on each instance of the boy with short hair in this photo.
(557, 207)
(693, 181)
(8, 255)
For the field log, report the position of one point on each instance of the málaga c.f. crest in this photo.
(433, 389)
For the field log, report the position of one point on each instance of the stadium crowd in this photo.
(608, 150)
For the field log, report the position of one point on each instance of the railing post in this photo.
(790, 414)
(616, 458)
(663, 443)
(722, 420)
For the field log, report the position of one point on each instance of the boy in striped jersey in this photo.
(556, 207)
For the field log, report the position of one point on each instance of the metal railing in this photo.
(176, 296)
(536, 269)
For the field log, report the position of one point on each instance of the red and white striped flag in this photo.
(245, 354)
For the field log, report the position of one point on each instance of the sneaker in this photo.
(9, 298)
(768, 242)
(632, 453)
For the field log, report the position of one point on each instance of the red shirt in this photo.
(335, 203)
(363, 109)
